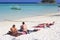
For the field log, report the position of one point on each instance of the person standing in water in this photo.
(23, 27)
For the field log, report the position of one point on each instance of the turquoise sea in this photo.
(26, 10)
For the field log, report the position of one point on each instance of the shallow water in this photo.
(27, 10)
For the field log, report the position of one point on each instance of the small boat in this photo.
(15, 8)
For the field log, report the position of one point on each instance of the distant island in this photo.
(48, 1)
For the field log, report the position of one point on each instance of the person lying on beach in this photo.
(49, 24)
(44, 24)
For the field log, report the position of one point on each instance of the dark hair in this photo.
(23, 22)
(13, 26)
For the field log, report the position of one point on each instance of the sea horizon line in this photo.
(19, 3)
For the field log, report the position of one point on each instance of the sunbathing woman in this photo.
(50, 24)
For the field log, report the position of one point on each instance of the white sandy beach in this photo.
(52, 33)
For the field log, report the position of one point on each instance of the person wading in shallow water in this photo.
(13, 30)
(23, 27)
